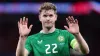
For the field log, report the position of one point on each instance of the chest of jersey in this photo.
(53, 44)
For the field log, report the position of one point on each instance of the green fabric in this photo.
(52, 44)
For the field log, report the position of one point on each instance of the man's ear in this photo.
(56, 17)
(39, 17)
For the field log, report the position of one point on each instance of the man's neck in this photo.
(48, 30)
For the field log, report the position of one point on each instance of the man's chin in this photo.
(48, 26)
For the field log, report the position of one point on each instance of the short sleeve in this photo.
(28, 44)
(72, 40)
(71, 37)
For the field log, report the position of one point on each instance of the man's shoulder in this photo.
(64, 31)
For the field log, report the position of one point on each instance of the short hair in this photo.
(47, 6)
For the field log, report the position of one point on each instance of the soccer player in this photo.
(50, 41)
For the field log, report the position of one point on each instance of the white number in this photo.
(47, 49)
(53, 50)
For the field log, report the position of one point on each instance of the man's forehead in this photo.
(47, 12)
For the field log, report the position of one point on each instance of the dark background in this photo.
(89, 27)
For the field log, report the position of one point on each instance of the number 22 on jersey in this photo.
(53, 49)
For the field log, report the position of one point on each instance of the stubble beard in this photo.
(49, 27)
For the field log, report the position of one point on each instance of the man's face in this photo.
(47, 18)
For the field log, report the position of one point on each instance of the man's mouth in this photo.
(48, 22)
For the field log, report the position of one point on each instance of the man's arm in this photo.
(81, 44)
(74, 52)
(21, 51)
(23, 31)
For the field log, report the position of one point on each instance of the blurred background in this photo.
(86, 11)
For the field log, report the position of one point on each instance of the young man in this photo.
(50, 41)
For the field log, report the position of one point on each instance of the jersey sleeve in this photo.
(72, 40)
(28, 44)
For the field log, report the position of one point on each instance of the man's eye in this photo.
(44, 15)
(50, 15)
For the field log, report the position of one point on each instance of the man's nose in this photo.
(48, 18)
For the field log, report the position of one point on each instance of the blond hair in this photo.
(47, 6)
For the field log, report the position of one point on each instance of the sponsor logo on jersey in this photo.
(61, 44)
(39, 42)
(61, 38)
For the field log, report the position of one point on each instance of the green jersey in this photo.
(56, 43)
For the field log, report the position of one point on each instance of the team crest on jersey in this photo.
(61, 38)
